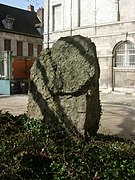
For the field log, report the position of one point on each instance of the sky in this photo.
(23, 4)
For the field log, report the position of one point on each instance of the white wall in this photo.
(98, 22)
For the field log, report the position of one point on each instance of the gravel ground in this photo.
(118, 112)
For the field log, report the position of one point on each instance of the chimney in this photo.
(40, 14)
(30, 8)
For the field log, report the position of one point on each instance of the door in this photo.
(5, 61)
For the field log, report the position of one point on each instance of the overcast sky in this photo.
(23, 4)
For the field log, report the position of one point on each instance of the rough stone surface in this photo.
(64, 86)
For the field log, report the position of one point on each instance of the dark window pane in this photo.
(39, 49)
(30, 49)
(7, 45)
(19, 48)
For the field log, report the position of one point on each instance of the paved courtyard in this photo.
(118, 116)
(118, 110)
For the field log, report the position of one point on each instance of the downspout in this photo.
(79, 16)
(9, 70)
(95, 16)
(118, 11)
(117, 6)
(71, 18)
(113, 61)
(48, 22)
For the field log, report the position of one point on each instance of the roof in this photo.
(24, 20)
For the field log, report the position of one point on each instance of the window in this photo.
(19, 48)
(57, 12)
(8, 22)
(125, 55)
(39, 49)
(30, 49)
(7, 45)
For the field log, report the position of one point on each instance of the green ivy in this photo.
(31, 149)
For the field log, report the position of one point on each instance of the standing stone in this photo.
(64, 86)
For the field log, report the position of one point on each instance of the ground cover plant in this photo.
(31, 149)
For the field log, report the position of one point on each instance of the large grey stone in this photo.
(64, 86)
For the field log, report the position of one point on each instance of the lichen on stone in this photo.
(65, 80)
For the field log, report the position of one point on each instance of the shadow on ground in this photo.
(119, 119)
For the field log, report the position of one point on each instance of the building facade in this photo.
(109, 24)
(21, 40)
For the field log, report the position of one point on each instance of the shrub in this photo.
(31, 149)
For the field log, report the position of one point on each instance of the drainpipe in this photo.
(118, 9)
(113, 59)
(48, 21)
(95, 15)
(118, 15)
(10, 68)
(79, 11)
(71, 18)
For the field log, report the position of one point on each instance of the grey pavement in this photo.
(14, 104)
(118, 115)
(118, 112)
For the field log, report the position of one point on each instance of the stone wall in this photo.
(64, 86)
(94, 12)
(98, 21)
(17, 37)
